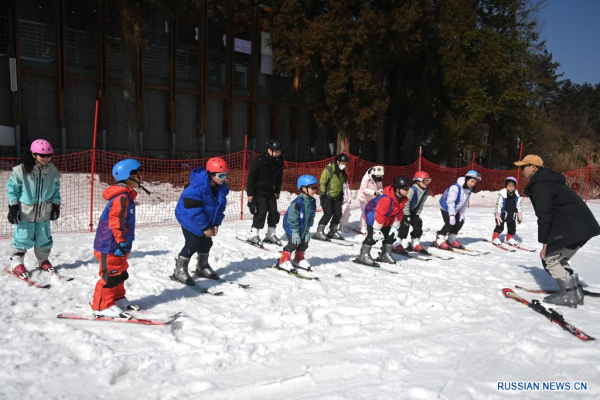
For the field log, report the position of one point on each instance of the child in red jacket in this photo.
(383, 215)
(114, 237)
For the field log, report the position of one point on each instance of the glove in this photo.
(377, 235)
(121, 249)
(296, 238)
(13, 214)
(452, 220)
(393, 232)
(406, 220)
(55, 213)
(253, 207)
(520, 217)
(324, 202)
(498, 220)
(379, 192)
(307, 238)
(462, 218)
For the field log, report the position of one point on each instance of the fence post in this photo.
(243, 177)
(519, 168)
(587, 178)
(93, 170)
(473, 160)
(420, 156)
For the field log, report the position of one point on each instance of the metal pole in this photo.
(420, 156)
(243, 177)
(587, 179)
(93, 170)
(519, 169)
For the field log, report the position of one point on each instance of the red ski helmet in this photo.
(216, 165)
(420, 176)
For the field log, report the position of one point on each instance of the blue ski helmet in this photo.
(306, 180)
(122, 170)
(473, 174)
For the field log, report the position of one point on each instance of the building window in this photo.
(263, 126)
(217, 39)
(215, 125)
(3, 33)
(265, 61)
(156, 54)
(240, 124)
(188, 52)
(286, 90)
(37, 34)
(242, 54)
(81, 38)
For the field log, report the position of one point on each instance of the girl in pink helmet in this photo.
(33, 192)
(371, 186)
(507, 210)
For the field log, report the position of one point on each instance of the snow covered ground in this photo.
(439, 329)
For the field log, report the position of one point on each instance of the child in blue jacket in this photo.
(297, 222)
(200, 211)
(33, 201)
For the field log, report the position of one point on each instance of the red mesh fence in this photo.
(82, 205)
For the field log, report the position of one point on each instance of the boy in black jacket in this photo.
(565, 224)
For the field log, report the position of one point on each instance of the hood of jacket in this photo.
(544, 175)
(117, 189)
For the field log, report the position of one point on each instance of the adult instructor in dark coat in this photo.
(565, 224)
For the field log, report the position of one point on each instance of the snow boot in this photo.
(566, 294)
(300, 261)
(18, 265)
(46, 266)
(496, 239)
(399, 248)
(203, 269)
(112, 312)
(441, 242)
(42, 257)
(365, 256)
(579, 290)
(385, 256)
(285, 261)
(416, 246)
(254, 237)
(453, 242)
(320, 235)
(271, 236)
(511, 240)
(334, 232)
(181, 273)
(124, 304)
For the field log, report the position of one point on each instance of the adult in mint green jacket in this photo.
(33, 192)
(332, 182)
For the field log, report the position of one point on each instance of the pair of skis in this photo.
(36, 284)
(143, 321)
(508, 247)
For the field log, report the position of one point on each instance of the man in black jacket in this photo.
(565, 224)
(264, 185)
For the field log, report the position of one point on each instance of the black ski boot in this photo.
(386, 254)
(203, 269)
(320, 235)
(566, 294)
(181, 273)
(579, 290)
(334, 232)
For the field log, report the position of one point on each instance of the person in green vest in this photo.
(332, 182)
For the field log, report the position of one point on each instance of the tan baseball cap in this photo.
(531, 159)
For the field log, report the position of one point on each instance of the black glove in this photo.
(253, 206)
(13, 214)
(406, 220)
(55, 213)
(324, 201)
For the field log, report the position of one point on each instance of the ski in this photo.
(356, 230)
(520, 248)
(27, 280)
(551, 314)
(55, 273)
(253, 244)
(458, 251)
(499, 246)
(203, 290)
(427, 253)
(407, 255)
(232, 282)
(143, 321)
(339, 242)
(376, 267)
(543, 291)
(292, 273)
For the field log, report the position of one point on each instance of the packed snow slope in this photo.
(438, 329)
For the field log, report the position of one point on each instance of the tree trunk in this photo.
(131, 46)
(343, 141)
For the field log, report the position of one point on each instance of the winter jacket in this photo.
(455, 198)
(563, 218)
(416, 200)
(368, 188)
(332, 181)
(199, 208)
(300, 216)
(385, 210)
(501, 202)
(265, 175)
(35, 192)
(117, 222)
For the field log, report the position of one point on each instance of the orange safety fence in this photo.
(82, 202)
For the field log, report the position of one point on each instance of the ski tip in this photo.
(508, 292)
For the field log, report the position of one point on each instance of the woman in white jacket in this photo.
(371, 186)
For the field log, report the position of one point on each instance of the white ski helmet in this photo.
(377, 170)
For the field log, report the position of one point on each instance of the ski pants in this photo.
(387, 239)
(195, 244)
(417, 224)
(556, 263)
(290, 247)
(266, 203)
(510, 219)
(32, 234)
(333, 211)
(111, 285)
(450, 229)
(345, 214)
(363, 220)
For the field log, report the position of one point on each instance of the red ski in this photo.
(142, 321)
(519, 247)
(27, 280)
(499, 246)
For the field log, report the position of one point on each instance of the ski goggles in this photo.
(405, 188)
(426, 181)
(221, 175)
(312, 187)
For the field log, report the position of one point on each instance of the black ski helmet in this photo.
(342, 157)
(401, 181)
(274, 145)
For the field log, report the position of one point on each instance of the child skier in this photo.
(332, 182)
(344, 222)
(33, 201)
(417, 195)
(383, 215)
(453, 204)
(200, 211)
(508, 210)
(371, 186)
(114, 239)
(297, 221)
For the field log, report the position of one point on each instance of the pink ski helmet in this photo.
(41, 146)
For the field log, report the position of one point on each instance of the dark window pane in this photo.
(81, 38)
(217, 25)
(37, 34)
(3, 33)
(286, 90)
(263, 126)
(215, 125)
(242, 71)
(265, 61)
(156, 54)
(188, 53)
